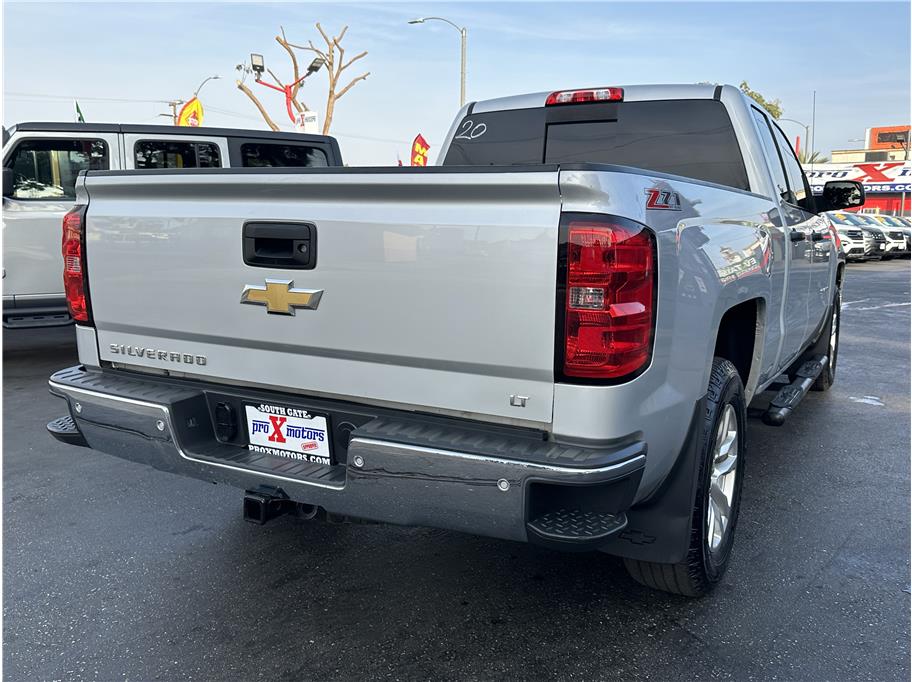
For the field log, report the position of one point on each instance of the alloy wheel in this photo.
(722, 479)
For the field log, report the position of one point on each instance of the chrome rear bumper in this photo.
(400, 472)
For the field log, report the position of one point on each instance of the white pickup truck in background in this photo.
(552, 337)
(42, 160)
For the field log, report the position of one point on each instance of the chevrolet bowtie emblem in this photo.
(279, 296)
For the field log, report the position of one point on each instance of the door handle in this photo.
(291, 246)
(796, 235)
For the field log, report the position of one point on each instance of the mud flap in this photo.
(658, 529)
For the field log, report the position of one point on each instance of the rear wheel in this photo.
(718, 498)
(828, 344)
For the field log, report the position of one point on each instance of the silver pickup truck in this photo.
(551, 337)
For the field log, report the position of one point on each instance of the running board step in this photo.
(574, 530)
(28, 321)
(789, 396)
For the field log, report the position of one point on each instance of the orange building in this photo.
(887, 137)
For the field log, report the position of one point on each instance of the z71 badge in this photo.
(663, 199)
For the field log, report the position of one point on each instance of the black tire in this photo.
(828, 376)
(702, 568)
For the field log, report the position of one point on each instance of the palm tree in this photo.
(814, 157)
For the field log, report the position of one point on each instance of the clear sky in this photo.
(855, 55)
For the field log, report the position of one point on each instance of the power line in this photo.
(225, 112)
(249, 117)
(35, 95)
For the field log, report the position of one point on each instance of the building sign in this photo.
(888, 137)
(308, 122)
(877, 177)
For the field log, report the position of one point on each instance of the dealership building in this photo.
(883, 168)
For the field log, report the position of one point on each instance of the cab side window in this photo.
(47, 169)
(772, 153)
(798, 187)
(271, 155)
(171, 154)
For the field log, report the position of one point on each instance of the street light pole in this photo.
(462, 68)
(205, 80)
(807, 133)
(902, 200)
(258, 65)
(175, 103)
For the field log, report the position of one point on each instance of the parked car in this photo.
(857, 245)
(896, 229)
(894, 240)
(552, 338)
(42, 160)
(872, 228)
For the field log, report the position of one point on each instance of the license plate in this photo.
(289, 432)
(883, 246)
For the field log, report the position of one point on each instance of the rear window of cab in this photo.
(690, 138)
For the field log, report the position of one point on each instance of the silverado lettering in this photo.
(154, 354)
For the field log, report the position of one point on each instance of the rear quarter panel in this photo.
(720, 249)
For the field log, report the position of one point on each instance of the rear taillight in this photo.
(587, 95)
(74, 264)
(608, 298)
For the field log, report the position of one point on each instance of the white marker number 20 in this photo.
(469, 131)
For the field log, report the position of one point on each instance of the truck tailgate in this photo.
(438, 287)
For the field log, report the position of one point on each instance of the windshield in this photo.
(846, 219)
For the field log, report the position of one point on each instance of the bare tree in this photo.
(259, 105)
(334, 55)
(334, 58)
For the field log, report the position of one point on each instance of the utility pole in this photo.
(174, 104)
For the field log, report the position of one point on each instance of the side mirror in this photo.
(840, 194)
(7, 182)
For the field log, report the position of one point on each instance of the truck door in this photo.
(44, 165)
(792, 221)
(819, 249)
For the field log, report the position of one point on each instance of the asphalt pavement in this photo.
(115, 571)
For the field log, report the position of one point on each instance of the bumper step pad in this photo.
(573, 529)
(332, 476)
(64, 429)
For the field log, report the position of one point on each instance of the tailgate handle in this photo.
(291, 246)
